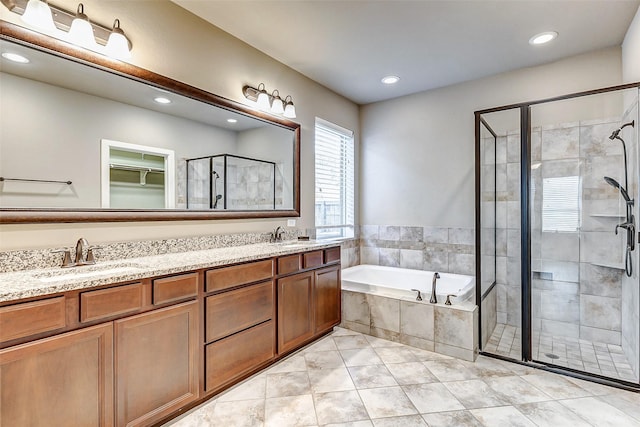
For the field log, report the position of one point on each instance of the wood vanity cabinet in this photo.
(240, 322)
(65, 380)
(138, 353)
(327, 298)
(309, 301)
(295, 310)
(156, 359)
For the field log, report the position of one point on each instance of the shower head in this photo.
(616, 132)
(615, 184)
(215, 174)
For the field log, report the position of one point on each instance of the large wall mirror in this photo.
(86, 138)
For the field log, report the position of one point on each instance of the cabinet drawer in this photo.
(30, 318)
(233, 311)
(175, 288)
(228, 277)
(312, 259)
(289, 264)
(104, 303)
(332, 255)
(238, 354)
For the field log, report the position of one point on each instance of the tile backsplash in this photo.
(444, 249)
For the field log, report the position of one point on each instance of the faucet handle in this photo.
(448, 301)
(90, 258)
(419, 297)
(66, 258)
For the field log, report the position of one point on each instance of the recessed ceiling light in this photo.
(389, 80)
(543, 38)
(232, 120)
(162, 100)
(15, 57)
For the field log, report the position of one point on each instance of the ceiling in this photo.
(348, 46)
(59, 71)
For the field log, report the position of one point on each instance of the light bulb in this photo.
(81, 31)
(118, 45)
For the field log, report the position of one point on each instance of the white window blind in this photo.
(334, 200)
(561, 204)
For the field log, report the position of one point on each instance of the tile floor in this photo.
(350, 379)
(598, 358)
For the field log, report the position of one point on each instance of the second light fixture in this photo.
(273, 103)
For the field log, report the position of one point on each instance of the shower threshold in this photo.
(593, 357)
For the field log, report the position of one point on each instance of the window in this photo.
(561, 204)
(334, 153)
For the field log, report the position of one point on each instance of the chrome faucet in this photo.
(433, 299)
(276, 236)
(80, 245)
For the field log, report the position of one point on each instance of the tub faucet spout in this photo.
(433, 299)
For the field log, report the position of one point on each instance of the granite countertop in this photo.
(30, 283)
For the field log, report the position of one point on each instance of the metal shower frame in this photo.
(525, 235)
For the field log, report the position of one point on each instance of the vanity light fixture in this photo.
(277, 106)
(389, 80)
(289, 108)
(118, 45)
(38, 14)
(162, 100)
(272, 103)
(81, 31)
(15, 57)
(74, 27)
(543, 38)
(263, 100)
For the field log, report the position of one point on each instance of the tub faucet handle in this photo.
(448, 301)
(419, 297)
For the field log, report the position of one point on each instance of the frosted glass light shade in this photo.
(117, 45)
(263, 100)
(277, 106)
(38, 15)
(81, 32)
(289, 110)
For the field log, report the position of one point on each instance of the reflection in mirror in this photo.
(125, 144)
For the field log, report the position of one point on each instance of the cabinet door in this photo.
(156, 363)
(327, 299)
(66, 380)
(295, 310)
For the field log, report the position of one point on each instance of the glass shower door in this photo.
(500, 291)
(584, 306)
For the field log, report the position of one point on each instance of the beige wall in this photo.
(171, 41)
(631, 51)
(417, 152)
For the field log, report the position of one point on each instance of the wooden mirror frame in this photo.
(25, 37)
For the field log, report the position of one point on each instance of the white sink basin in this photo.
(83, 272)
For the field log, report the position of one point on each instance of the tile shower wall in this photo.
(449, 250)
(250, 186)
(577, 276)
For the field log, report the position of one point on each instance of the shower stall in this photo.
(556, 244)
(227, 181)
